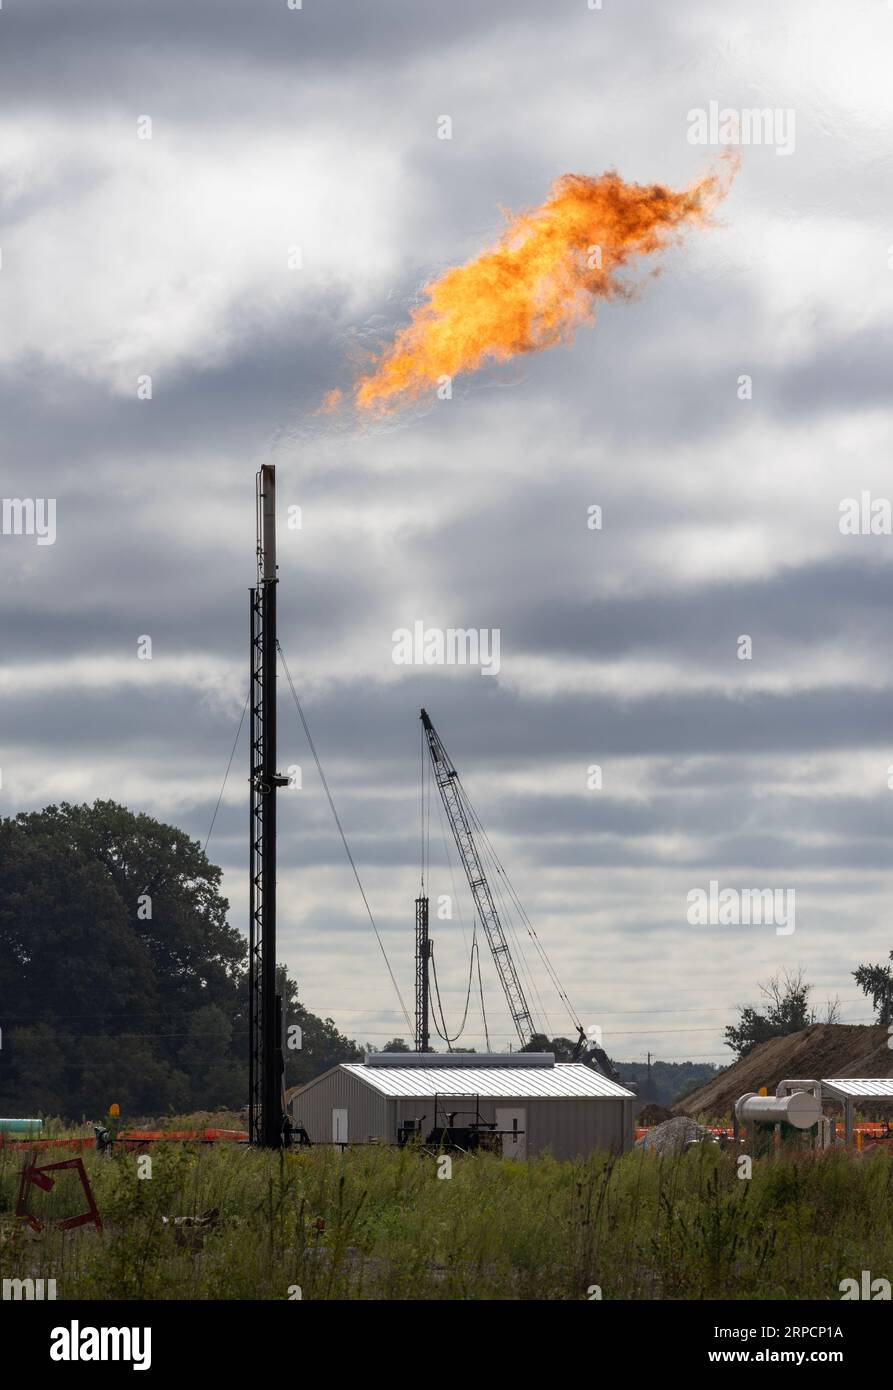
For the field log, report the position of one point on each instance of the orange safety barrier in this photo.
(135, 1137)
(870, 1129)
(78, 1143)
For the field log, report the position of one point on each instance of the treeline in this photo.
(120, 977)
(122, 980)
(665, 1082)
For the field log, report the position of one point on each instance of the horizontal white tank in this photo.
(802, 1110)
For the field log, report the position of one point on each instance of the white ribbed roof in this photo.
(468, 1059)
(878, 1086)
(564, 1079)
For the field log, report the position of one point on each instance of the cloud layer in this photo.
(291, 201)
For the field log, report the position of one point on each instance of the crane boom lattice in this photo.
(458, 810)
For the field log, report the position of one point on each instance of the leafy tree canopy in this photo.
(562, 1047)
(785, 1010)
(120, 976)
(877, 982)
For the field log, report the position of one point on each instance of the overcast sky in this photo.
(271, 127)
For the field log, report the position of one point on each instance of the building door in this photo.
(513, 1124)
(339, 1126)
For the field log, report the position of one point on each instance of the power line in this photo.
(226, 774)
(322, 778)
(449, 862)
(542, 1020)
(448, 1040)
(481, 991)
(531, 930)
(422, 808)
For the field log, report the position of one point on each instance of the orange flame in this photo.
(536, 286)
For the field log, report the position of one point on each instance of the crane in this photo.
(463, 823)
(461, 818)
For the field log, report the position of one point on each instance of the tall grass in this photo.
(378, 1223)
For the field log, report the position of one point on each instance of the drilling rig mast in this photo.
(266, 1112)
(422, 963)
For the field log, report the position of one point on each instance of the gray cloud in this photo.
(720, 515)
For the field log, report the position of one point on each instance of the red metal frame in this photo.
(36, 1175)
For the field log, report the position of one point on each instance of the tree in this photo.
(322, 1046)
(877, 982)
(120, 975)
(670, 1081)
(833, 1009)
(786, 1011)
(562, 1047)
(217, 1079)
(589, 1054)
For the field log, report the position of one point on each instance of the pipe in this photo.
(801, 1109)
(785, 1087)
(28, 1127)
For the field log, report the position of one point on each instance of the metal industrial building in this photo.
(848, 1091)
(534, 1101)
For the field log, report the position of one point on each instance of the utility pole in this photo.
(422, 958)
(265, 1062)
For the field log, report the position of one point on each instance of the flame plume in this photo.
(537, 285)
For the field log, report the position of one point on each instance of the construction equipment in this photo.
(474, 1134)
(467, 829)
(460, 815)
(410, 1131)
(585, 1047)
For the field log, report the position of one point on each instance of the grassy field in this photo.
(378, 1223)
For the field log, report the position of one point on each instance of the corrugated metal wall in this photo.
(567, 1127)
(367, 1111)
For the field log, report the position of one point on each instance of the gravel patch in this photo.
(673, 1135)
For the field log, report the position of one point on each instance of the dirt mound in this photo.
(818, 1053)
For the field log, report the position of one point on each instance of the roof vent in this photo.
(459, 1059)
